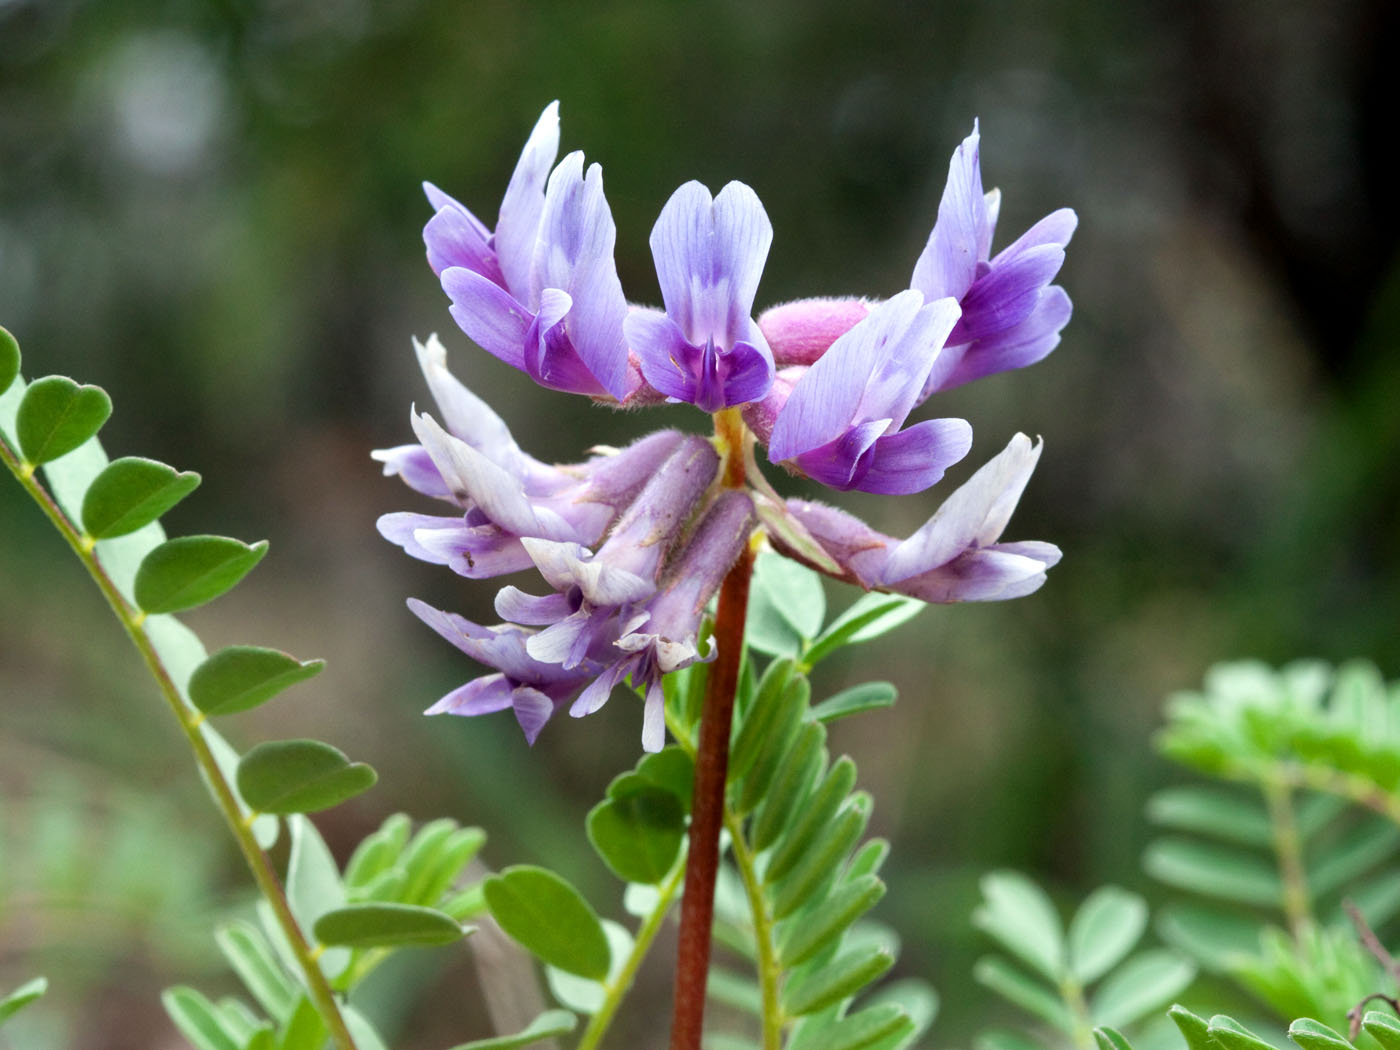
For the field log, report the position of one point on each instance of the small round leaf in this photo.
(299, 776)
(243, 676)
(9, 359)
(545, 914)
(132, 492)
(56, 415)
(191, 570)
(386, 926)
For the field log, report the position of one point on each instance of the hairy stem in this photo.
(707, 813)
(769, 967)
(133, 621)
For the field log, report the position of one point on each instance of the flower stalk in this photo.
(711, 769)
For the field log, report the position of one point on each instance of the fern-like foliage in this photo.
(1305, 816)
(1076, 979)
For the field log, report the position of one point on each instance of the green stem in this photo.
(1072, 993)
(770, 969)
(1288, 847)
(133, 621)
(618, 987)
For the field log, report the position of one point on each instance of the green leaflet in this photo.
(31, 990)
(1017, 913)
(548, 1025)
(300, 776)
(9, 359)
(638, 834)
(57, 415)
(1104, 930)
(382, 925)
(242, 677)
(130, 493)
(549, 917)
(191, 570)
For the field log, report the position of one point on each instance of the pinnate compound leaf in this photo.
(1215, 871)
(198, 1019)
(548, 1025)
(808, 932)
(305, 1029)
(34, 989)
(1222, 813)
(300, 776)
(386, 926)
(243, 676)
(1103, 931)
(1025, 991)
(191, 570)
(1111, 1039)
(56, 415)
(1018, 914)
(9, 363)
(548, 916)
(1384, 1028)
(265, 827)
(584, 995)
(812, 819)
(132, 492)
(1145, 983)
(638, 835)
(868, 696)
(1314, 1035)
(378, 851)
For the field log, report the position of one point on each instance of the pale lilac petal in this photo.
(532, 711)
(654, 718)
(977, 576)
(456, 237)
(465, 415)
(523, 203)
(564, 643)
(973, 516)
(1015, 347)
(490, 315)
(596, 693)
(799, 333)
(1056, 228)
(416, 467)
(480, 696)
(400, 527)
(915, 458)
(478, 552)
(498, 493)
(961, 235)
(1007, 294)
(709, 257)
(860, 550)
(662, 351)
(515, 605)
(458, 630)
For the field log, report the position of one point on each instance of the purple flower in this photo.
(706, 349)
(1012, 315)
(841, 423)
(955, 556)
(542, 292)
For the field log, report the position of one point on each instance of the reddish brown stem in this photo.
(707, 812)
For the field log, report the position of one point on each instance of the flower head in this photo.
(630, 545)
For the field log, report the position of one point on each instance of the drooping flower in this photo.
(841, 422)
(956, 555)
(542, 292)
(709, 253)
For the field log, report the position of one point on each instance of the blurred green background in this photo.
(212, 210)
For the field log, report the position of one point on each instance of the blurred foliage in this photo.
(214, 206)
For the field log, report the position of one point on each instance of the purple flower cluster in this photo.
(631, 544)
